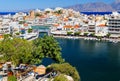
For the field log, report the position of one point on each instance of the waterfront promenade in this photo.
(88, 38)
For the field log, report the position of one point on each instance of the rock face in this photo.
(97, 7)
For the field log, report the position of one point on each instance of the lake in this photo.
(94, 60)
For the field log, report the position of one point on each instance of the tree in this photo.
(69, 33)
(46, 12)
(38, 14)
(99, 37)
(17, 33)
(19, 50)
(77, 33)
(12, 78)
(30, 30)
(60, 77)
(66, 69)
(92, 34)
(6, 36)
(16, 50)
(37, 54)
(48, 47)
(108, 35)
(59, 12)
(21, 22)
(85, 34)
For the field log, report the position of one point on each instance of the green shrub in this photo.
(108, 35)
(12, 78)
(92, 34)
(77, 33)
(30, 30)
(17, 33)
(66, 69)
(85, 34)
(21, 22)
(69, 33)
(60, 77)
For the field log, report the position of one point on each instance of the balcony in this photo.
(114, 32)
(113, 28)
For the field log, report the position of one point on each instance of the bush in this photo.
(17, 33)
(59, 12)
(92, 34)
(37, 15)
(47, 12)
(6, 36)
(77, 33)
(12, 78)
(108, 35)
(21, 22)
(69, 33)
(30, 30)
(99, 37)
(66, 69)
(60, 77)
(85, 34)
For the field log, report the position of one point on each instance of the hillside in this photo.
(97, 7)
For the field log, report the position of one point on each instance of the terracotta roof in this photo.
(57, 14)
(76, 26)
(68, 26)
(56, 25)
(1, 36)
(43, 16)
(102, 25)
(25, 24)
(65, 19)
(40, 69)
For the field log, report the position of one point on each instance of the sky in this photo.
(12, 5)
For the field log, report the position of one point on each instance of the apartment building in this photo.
(114, 26)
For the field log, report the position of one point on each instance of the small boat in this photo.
(115, 41)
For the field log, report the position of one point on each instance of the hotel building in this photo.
(114, 26)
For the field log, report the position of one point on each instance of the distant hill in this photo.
(97, 7)
(89, 7)
(116, 5)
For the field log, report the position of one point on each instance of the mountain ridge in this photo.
(88, 7)
(97, 7)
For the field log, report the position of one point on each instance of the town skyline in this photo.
(13, 5)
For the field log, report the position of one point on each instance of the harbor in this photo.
(95, 60)
(89, 38)
(84, 47)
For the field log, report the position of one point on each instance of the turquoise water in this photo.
(41, 34)
(1, 78)
(40, 27)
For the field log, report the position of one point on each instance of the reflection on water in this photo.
(95, 60)
(47, 61)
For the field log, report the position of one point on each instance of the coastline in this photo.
(88, 38)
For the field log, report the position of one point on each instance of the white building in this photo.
(114, 27)
(4, 29)
(15, 27)
(101, 30)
